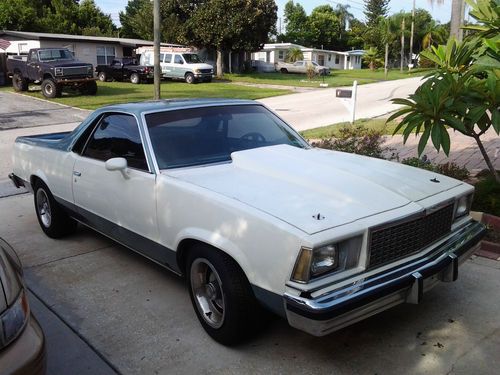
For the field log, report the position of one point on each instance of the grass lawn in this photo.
(122, 92)
(332, 130)
(336, 78)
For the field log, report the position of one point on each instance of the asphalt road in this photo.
(316, 108)
(130, 314)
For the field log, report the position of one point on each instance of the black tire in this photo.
(50, 89)
(57, 223)
(284, 70)
(135, 78)
(19, 82)
(103, 77)
(189, 78)
(89, 88)
(241, 313)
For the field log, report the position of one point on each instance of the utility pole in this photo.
(412, 31)
(157, 38)
(402, 44)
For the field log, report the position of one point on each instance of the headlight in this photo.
(462, 206)
(197, 71)
(13, 319)
(313, 263)
(59, 71)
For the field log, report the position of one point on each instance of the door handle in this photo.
(77, 174)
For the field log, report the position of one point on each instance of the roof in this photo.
(273, 46)
(83, 38)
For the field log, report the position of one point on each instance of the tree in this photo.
(345, 19)
(388, 31)
(296, 23)
(92, 21)
(294, 54)
(17, 15)
(129, 18)
(324, 28)
(371, 58)
(375, 9)
(463, 94)
(434, 34)
(232, 25)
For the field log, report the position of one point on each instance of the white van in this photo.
(181, 65)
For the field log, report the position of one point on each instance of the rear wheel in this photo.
(19, 83)
(134, 78)
(103, 77)
(50, 89)
(221, 295)
(52, 219)
(189, 78)
(284, 70)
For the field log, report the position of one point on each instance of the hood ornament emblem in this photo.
(435, 180)
(318, 216)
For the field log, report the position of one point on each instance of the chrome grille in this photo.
(76, 71)
(409, 237)
(205, 71)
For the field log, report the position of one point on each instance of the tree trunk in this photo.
(457, 19)
(386, 59)
(487, 159)
(402, 45)
(220, 64)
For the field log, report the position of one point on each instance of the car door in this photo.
(179, 68)
(166, 66)
(33, 66)
(116, 70)
(120, 205)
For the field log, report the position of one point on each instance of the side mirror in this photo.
(117, 164)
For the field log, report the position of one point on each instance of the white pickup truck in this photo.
(227, 194)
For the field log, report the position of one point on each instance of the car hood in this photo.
(295, 184)
(200, 66)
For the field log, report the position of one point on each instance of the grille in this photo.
(205, 71)
(410, 237)
(75, 71)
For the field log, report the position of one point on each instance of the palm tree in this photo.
(389, 31)
(435, 34)
(371, 58)
(294, 54)
(457, 16)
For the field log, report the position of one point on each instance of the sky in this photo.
(439, 12)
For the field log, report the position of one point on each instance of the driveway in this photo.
(21, 111)
(320, 107)
(137, 318)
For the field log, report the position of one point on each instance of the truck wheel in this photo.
(90, 88)
(103, 77)
(284, 70)
(52, 219)
(50, 89)
(134, 78)
(221, 295)
(19, 83)
(189, 78)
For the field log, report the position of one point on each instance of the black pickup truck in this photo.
(124, 69)
(54, 68)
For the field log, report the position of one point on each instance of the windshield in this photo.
(54, 54)
(191, 58)
(209, 135)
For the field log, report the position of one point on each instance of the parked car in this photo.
(229, 195)
(125, 69)
(22, 343)
(186, 66)
(301, 67)
(54, 69)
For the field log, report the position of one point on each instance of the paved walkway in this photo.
(464, 150)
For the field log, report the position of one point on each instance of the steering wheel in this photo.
(253, 136)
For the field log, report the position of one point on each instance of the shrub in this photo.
(311, 72)
(487, 196)
(449, 169)
(357, 140)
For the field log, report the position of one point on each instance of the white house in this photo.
(276, 52)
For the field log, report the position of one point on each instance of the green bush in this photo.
(449, 169)
(487, 196)
(359, 140)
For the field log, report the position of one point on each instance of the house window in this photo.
(281, 55)
(105, 55)
(23, 48)
(329, 57)
(337, 59)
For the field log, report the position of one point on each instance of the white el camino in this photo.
(227, 194)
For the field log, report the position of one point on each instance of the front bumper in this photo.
(26, 355)
(331, 311)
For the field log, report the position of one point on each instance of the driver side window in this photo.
(117, 135)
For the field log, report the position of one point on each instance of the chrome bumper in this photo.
(331, 311)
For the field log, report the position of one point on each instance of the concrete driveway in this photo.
(320, 107)
(133, 317)
(21, 111)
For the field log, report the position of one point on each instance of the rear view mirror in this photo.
(117, 164)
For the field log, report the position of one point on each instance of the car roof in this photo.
(138, 108)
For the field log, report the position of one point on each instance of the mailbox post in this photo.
(349, 98)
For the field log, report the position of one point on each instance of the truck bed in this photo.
(57, 141)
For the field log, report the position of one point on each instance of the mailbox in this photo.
(344, 93)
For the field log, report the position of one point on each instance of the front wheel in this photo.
(284, 71)
(51, 217)
(50, 89)
(221, 295)
(189, 78)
